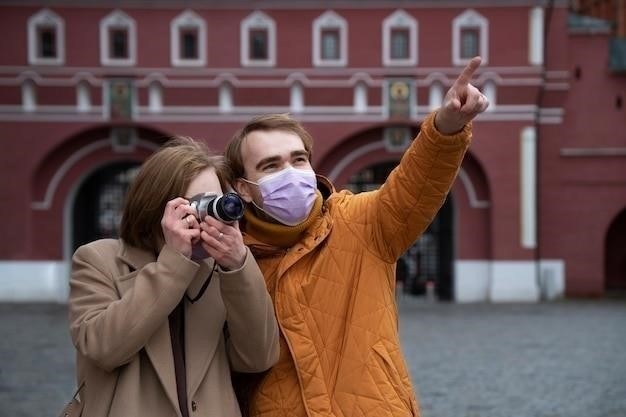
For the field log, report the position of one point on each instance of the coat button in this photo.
(194, 406)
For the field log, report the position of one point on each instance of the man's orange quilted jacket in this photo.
(333, 291)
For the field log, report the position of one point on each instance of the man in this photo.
(329, 259)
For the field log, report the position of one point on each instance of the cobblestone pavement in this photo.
(559, 359)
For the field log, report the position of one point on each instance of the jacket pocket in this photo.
(387, 366)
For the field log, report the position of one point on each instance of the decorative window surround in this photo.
(29, 96)
(330, 20)
(155, 97)
(83, 97)
(188, 20)
(296, 98)
(470, 19)
(258, 20)
(535, 36)
(435, 96)
(118, 19)
(528, 187)
(360, 97)
(225, 98)
(490, 91)
(400, 20)
(48, 19)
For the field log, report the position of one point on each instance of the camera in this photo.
(226, 208)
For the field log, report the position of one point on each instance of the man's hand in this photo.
(462, 102)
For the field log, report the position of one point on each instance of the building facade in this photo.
(88, 91)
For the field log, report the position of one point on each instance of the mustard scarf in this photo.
(277, 234)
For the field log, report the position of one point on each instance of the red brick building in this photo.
(88, 91)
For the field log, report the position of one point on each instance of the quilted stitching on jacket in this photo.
(335, 302)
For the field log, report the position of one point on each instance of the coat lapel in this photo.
(159, 350)
(159, 346)
(204, 322)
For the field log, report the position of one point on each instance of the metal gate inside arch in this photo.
(429, 261)
(99, 203)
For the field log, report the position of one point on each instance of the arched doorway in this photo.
(615, 255)
(99, 202)
(429, 261)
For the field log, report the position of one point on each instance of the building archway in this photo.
(429, 261)
(56, 185)
(99, 202)
(460, 234)
(615, 255)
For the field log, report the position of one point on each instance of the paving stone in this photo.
(557, 359)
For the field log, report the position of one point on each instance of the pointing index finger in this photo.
(468, 71)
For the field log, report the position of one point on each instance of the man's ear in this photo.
(243, 189)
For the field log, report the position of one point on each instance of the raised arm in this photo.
(393, 217)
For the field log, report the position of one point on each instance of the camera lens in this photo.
(229, 207)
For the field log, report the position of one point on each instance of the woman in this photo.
(161, 316)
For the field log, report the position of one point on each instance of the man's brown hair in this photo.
(267, 122)
(162, 177)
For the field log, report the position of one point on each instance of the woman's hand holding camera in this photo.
(223, 242)
(182, 230)
(180, 226)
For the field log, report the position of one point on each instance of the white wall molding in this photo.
(528, 188)
(535, 36)
(34, 281)
(475, 281)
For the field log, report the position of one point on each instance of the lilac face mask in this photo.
(288, 195)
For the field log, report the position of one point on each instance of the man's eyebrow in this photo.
(276, 158)
(267, 161)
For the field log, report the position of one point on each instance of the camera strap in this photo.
(204, 286)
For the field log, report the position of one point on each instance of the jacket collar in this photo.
(134, 257)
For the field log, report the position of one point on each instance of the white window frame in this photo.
(258, 20)
(330, 20)
(185, 20)
(46, 17)
(467, 19)
(118, 18)
(400, 20)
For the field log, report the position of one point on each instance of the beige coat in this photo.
(119, 326)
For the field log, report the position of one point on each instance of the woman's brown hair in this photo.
(162, 177)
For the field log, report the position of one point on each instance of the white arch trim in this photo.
(350, 157)
(46, 203)
(471, 191)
